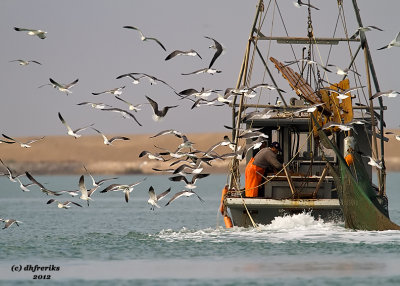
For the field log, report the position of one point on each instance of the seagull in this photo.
(308, 109)
(95, 105)
(23, 144)
(388, 93)
(394, 43)
(343, 127)
(396, 136)
(341, 71)
(143, 38)
(136, 80)
(42, 188)
(10, 173)
(124, 113)
(61, 87)
(219, 49)
(175, 53)
(63, 205)
(186, 143)
(189, 184)
(152, 79)
(151, 156)
(373, 162)
(25, 63)
(159, 114)
(263, 114)
(100, 182)
(109, 141)
(131, 106)
(364, 29)
(153, 198)
(32, 32)
(115, 91)
(205, 70)
(308, 62)
(298, 4)
(186, 193)
(23, 187)
(205, 102)
(342, 94)
(84, 192)
(203, 93)
(71, 132)
(127, 189)
(9, 222)
(168, 131)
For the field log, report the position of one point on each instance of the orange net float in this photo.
(349, 159)
(228, 222)
(223, 195)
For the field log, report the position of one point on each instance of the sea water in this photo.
(111, 242)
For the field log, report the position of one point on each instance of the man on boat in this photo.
(265, 161)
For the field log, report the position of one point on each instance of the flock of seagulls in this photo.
(186, 162)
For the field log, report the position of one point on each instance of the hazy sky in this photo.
(85, 40)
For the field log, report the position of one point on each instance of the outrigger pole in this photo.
(364, 44)
(242, 75)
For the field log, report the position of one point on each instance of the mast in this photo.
(364, 44)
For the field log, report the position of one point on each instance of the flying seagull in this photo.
(137, 76)
(342, 94)
(127, 189)
(109, 141)
(341, 71)
(84, 192)
(24, 187)
(23, 144)
(95, 105)
(133, 107)
(124, 113)
(153, 198)
(42, 188)
(373, 162)
(143, 38)
(218, 50)
(100, 182)
(25, 63)
(189, 184)
(9, 222)
(364, 29)
(32, 32)
(63, 205)
(115, 91)
(205, 70)
(394, 43)
(61, 87)
(298, 4)
(158, 114)
(186, 193)
(71, 132)
(10, 174)
(388, 93)
(175, 53)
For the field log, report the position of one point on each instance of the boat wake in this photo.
(297, 228)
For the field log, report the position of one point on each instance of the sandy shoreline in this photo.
(66, 155)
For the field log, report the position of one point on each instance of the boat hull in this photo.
(263, 211)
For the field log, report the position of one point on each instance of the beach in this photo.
(67, 155)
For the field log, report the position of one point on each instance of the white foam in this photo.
(292, 228)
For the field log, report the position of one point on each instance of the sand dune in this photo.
(66, 155)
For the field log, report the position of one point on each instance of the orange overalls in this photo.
(253, 177)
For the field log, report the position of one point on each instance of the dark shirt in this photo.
(267, 159)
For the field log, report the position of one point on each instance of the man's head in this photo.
(276, 147)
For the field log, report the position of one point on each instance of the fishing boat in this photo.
(319, 105)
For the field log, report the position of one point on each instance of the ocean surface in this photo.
(112, 242)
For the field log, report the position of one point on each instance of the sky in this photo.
(86, 41)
